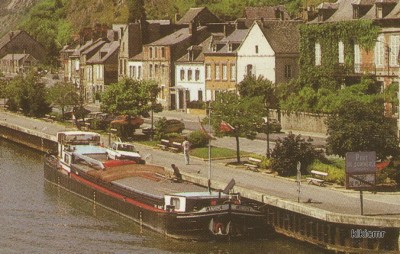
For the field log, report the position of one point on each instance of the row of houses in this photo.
(198, 56)
(192, 59)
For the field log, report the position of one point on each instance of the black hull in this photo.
(191, 226)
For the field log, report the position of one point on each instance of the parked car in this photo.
(125, 119)
(124, 151)
(170, 126)
(273, 125)
(98, 120)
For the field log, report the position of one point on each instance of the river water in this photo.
(38, 217)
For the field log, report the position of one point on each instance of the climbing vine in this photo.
(328, 35)
(318, 88)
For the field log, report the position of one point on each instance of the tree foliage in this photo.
(361, 126)
(63, 95)
(244, 114)
(28, 95)
(136, 10)
(252, 86)
(130, 97)
(291, 150)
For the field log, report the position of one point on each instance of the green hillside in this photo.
(55, 22)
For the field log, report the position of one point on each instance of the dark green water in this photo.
(37, 217)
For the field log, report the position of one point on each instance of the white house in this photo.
(270, 49)
(190, 76)
(135, 67)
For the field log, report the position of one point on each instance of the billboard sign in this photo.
(360, 170)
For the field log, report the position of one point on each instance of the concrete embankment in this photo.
(318, 225)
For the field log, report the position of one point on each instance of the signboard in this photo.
(363, 181)
(360, 170)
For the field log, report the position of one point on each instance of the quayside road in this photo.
(330, 199)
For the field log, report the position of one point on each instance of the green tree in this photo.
(130, 97)
(136, 10)
(361, 126)
(28, 95)
(63, 95)
(243, 114)
(252, 86)
(291, 150)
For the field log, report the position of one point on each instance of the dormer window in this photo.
(356, 12)
(379, 11)
(214, 48)
(230, 47)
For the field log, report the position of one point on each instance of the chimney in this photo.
(192, 28)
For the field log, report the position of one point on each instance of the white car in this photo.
(124, 151)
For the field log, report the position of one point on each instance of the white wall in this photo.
(263, 62)
(193, 86)
(133, 70)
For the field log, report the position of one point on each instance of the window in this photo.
(150, 70)
(379, 51)
(256, 49)
(379, 12)
(155, 52)
(249, 70)
(150, 52)
(182, 74)
(139, 75)
(133, 71)
(162, 70)
(187, 94)
(200, 95)
(288, 71)
(224, 72)
(317, 54)
(190, 74)
(156, 70)
(163, 52)
(176, 203)
(120, 67)
(341, 52)
(233, 72)
(162, 92)
(357, 58)
(230, 47)
(217, 72)
(197, 75)
(208, 71)
(394, 50)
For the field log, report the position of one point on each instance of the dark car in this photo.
(171, 125)
(98, 120)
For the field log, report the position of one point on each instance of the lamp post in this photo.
(209, 147)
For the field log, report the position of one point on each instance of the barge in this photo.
(148, 194)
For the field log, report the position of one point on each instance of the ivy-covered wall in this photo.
(328, 35)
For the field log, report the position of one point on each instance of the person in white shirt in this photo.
(186, 149)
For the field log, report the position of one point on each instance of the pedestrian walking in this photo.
(186, 148)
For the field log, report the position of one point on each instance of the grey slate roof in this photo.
(104, 53)
(7, 38)
(200, 14)
(265, 12)
(200, 52)
(175, 38)
(283, 36)
(236, 37)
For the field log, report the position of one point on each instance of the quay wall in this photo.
(320, 227)
(35, 139)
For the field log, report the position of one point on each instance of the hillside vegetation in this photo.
(55, 22)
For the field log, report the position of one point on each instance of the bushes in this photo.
(335, 174)
(291, 150)
(198, 139)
